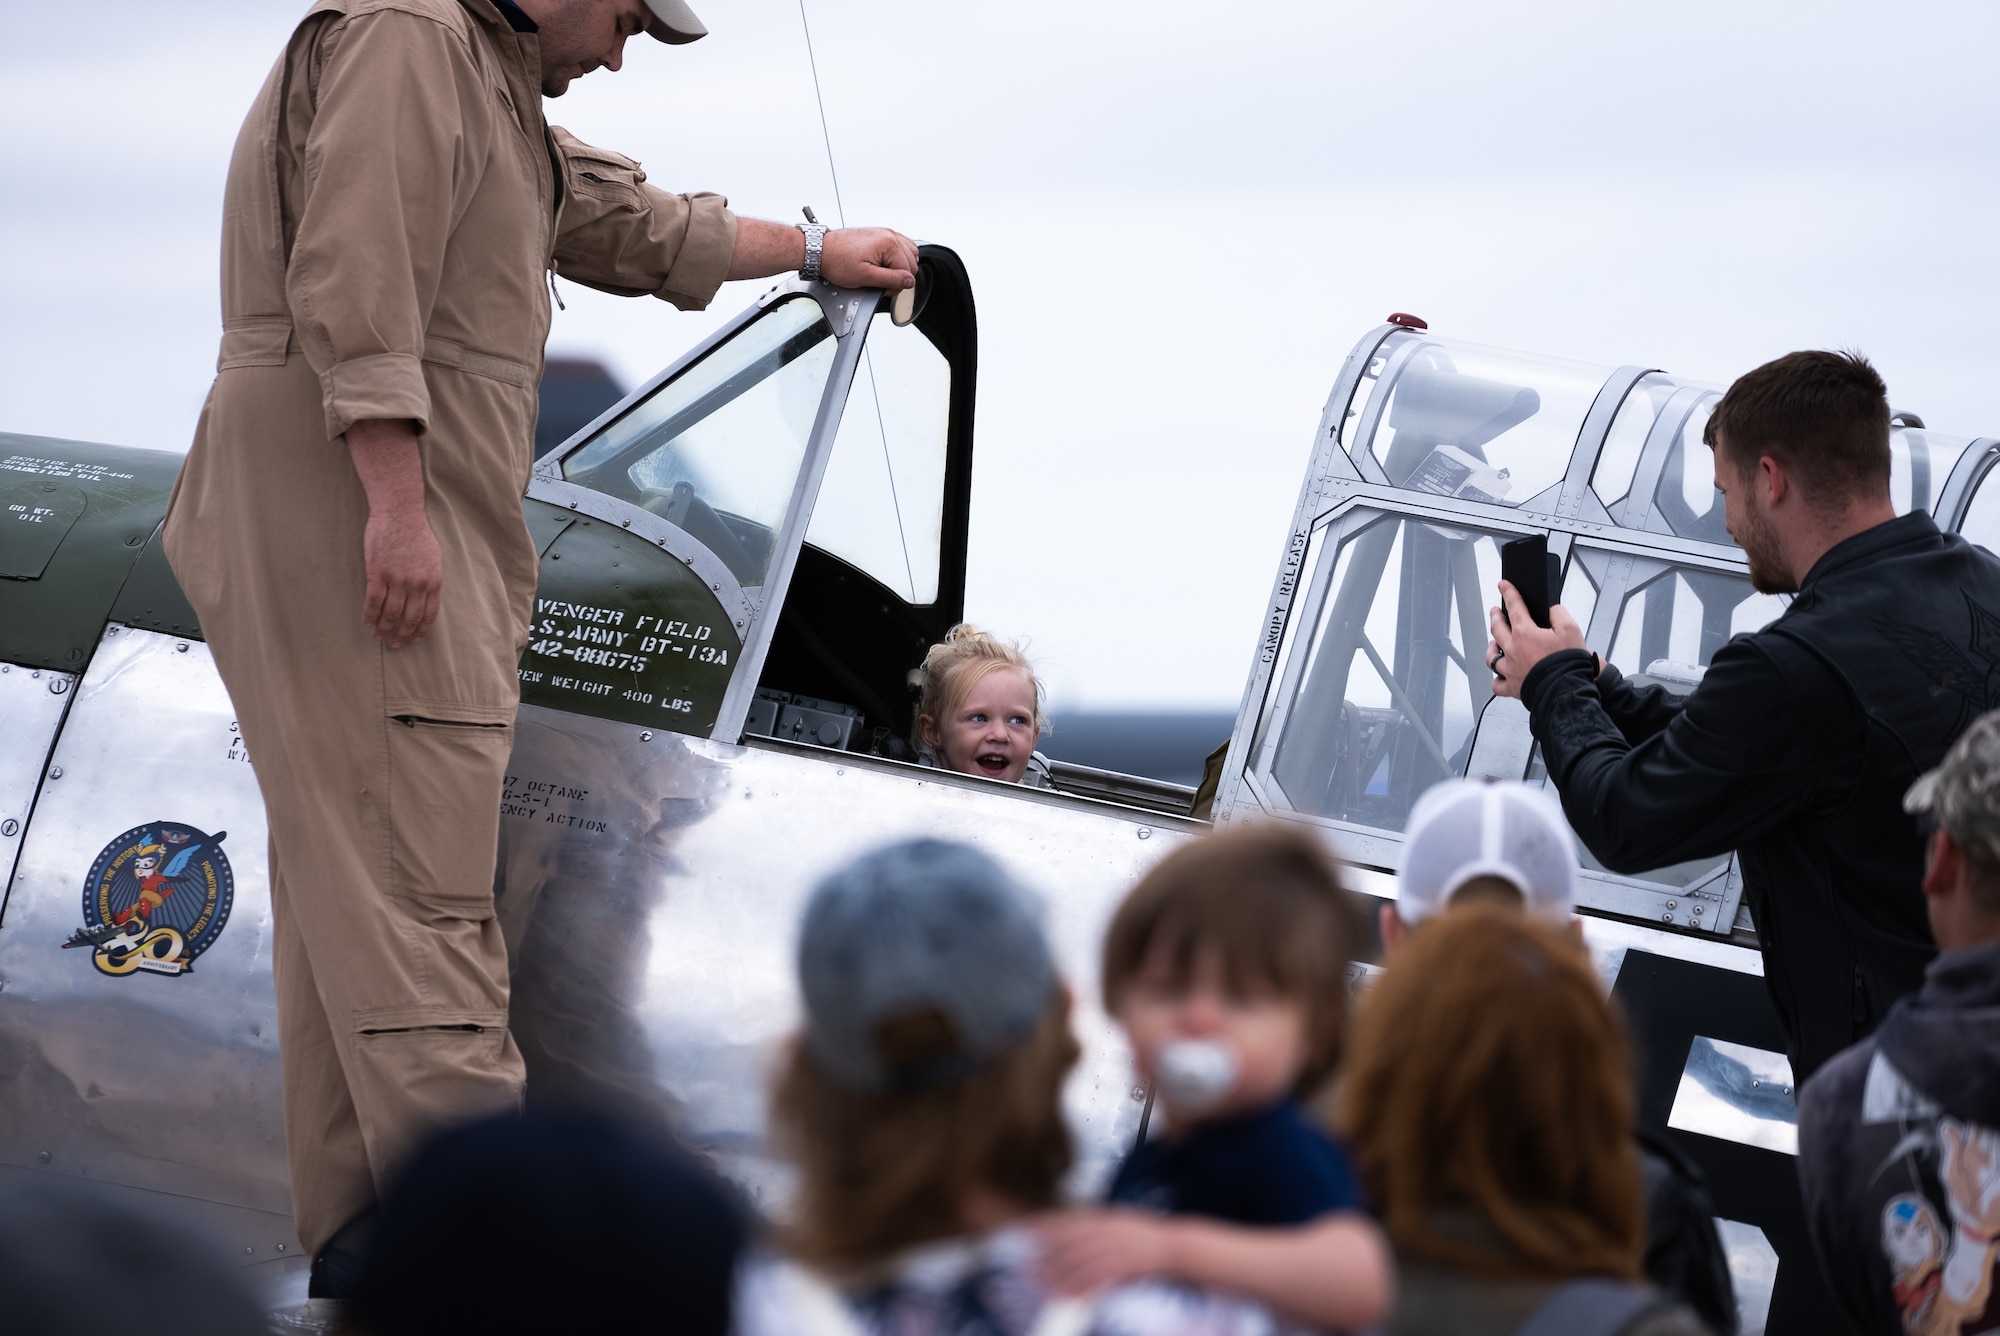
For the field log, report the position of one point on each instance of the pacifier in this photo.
(1194, 1074)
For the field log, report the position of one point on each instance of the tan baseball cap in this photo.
(674, 23)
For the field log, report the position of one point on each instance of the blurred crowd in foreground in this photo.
(1448, 1149)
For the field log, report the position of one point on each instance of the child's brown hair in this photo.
(882, 1172)
(1269, 899)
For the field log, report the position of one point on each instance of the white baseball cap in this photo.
(673, 22)
(1464, 828)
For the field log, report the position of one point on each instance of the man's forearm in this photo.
(1700, 786)
(402, 563)
(390, 467)
(1588, 758)
(766, 248)
(850, 257)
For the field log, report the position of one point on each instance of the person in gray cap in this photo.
(1899, 1136)
(348, 523)
(921, 1104)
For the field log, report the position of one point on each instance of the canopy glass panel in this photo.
(1457, 419)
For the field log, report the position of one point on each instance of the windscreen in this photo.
(716, 451)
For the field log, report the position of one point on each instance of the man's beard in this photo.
(1759, 541)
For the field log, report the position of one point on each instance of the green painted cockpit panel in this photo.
(152, 599)
(545, 523)
(35, 516)
(622, 630)
(54, 619)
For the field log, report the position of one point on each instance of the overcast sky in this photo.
(1177, 219)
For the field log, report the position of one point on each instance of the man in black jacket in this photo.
(1899, 1137)
(1797, 746)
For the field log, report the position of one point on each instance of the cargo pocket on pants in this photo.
(444, 810)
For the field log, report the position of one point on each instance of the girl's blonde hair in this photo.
(955, 665)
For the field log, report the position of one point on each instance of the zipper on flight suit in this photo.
(545, 174)
(412, 720)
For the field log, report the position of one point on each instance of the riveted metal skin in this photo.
(650, 888)
(652, 892)
(168, 1085)
(32, 713)
(151, 599)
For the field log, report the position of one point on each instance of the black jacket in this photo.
(1795, 751)
(1684, 1253)
(1899, 1158)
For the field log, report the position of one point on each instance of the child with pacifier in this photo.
(980, 709)
(1227, 968)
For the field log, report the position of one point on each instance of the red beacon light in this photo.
(1408, 321)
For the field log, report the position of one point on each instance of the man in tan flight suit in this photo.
(348, 524)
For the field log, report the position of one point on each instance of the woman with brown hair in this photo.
(921, 1105)
(1489, 1103)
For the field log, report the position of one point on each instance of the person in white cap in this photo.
(348, 523)
(1473, 840)
(1470, 841)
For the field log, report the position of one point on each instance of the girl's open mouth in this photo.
(991, 764)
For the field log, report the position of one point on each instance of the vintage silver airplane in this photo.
(741, 563)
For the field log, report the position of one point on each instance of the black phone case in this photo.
(1526, 564)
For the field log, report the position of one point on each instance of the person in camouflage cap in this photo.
(1899, 1136)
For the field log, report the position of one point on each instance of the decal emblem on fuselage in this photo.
(157, 897)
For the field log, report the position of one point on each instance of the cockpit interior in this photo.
(718, 455)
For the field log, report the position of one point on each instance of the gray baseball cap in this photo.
(1963, 793)
(921, 926)
(674, 23)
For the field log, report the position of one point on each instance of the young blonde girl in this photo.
(980, 709)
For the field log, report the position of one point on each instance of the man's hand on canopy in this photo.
(853, 257)
(1518, 644)
(868, 257)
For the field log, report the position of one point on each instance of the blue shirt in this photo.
(1271, 1167)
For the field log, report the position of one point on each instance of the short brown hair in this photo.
(1488, 1077)
(1267, 897)
(1823, 415)
(882, 1172)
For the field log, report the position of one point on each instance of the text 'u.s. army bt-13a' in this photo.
(741, 563)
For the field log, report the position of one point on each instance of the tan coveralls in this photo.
(391, 215)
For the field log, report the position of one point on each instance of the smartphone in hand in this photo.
(1535, 573)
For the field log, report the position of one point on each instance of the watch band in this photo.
(815, 239)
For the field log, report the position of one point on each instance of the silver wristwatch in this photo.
(815, 238)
